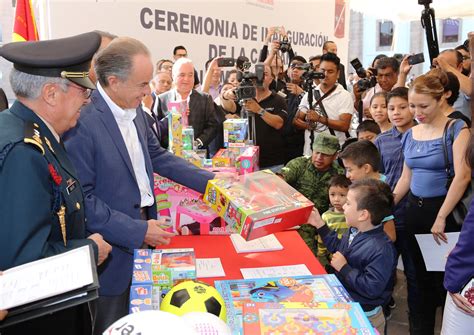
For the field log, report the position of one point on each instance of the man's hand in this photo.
(462, 303)
(315, 219)
(312, 116)
(294, 89)
(155, 235)
(338, 261)
(104, 247)
(252, 106)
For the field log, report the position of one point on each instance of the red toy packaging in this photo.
(257, 204)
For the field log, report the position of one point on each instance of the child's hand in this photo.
(338, 261)
(315, 219)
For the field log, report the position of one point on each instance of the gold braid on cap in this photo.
(67, 74)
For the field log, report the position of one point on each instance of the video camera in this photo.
(309, 73)
(364, 83)
(247, 89)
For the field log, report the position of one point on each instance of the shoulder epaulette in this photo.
(32, 135)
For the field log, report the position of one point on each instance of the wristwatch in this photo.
(261, 112)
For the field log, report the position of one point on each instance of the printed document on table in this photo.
(435, 255)
(46, 278)
(276, 271)
(266, 243)
(209, 267)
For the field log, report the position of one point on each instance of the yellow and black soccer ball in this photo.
(194, 296)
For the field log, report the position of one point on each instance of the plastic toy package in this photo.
(257, 204)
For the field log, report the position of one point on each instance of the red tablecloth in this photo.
(295, 251)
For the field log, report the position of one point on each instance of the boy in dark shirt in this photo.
(364, 258)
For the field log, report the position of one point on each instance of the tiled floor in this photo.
(398, 324)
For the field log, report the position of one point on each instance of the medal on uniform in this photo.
(62, 222)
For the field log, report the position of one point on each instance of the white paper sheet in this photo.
(266, 243)
(209, 267)
(435, 255)
(275, 271)
(45, 278)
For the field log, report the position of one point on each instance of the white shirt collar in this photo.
(50, 127)
(120, 114)
(178, 96)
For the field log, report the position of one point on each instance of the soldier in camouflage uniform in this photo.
(310, 175)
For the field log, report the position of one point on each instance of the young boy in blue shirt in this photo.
(364, 258)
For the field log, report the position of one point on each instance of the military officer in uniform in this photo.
(310, 175)
(41, 200)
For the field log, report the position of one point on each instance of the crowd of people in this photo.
(400, 173)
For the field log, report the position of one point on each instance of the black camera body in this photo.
(285, 45)
(248, 83)
(366, 83)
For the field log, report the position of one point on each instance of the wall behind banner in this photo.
(206, 28)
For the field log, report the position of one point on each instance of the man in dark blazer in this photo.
(202, 110)
(115, 154)
(41, 200)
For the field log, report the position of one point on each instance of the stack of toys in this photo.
(155, 272)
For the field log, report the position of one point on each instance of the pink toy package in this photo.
(188, 214)
(248, 161)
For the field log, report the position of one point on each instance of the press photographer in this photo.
(280, 49)
(332, 108)
(293, 136)
(268, 111)
(386, 75)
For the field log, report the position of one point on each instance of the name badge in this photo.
(71, 185)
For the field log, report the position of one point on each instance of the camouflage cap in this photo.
(326, 144)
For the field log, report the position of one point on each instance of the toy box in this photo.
(331, 318)
(195, 157)
(185, 208)
(188, 138)
(223, 158)
(179, 263)
(180, 107)
(175, 134)
(248, 161)
(154, 274)
(306, 289)
(141, 299)
(145, 294)
(257, 204)
(235, 132)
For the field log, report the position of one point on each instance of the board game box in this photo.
(298, 318)
(305, 289)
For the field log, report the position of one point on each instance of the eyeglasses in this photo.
(86, 92)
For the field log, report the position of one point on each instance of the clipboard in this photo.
(57, 302)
